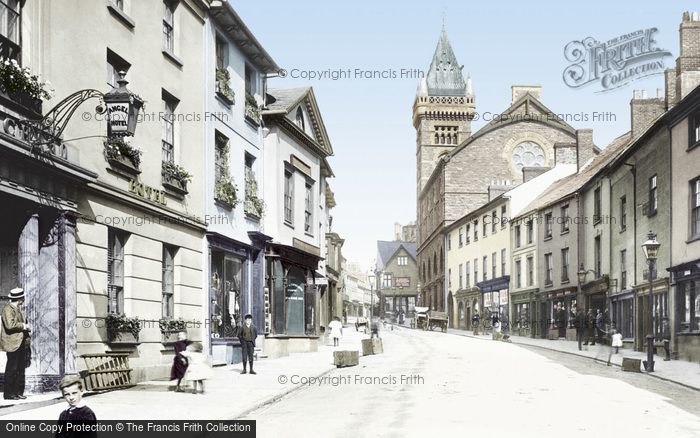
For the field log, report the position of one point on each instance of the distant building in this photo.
(397, 277)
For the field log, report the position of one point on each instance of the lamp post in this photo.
(372, 279)
(651, 252)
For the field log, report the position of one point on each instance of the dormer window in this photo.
(300, 119)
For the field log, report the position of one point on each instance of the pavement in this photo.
(677, 371)
(228, 394)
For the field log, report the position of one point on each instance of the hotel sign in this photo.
(146, 192)
(118, 116)
(402, 281)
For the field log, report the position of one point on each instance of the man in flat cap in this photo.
(14, 339)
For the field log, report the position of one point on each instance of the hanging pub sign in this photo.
(118, 119)
(123, 108)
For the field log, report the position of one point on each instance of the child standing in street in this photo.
(616, 340)
(336, 330)
(77, 413)
(198, 370)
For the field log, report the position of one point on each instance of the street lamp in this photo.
(123, 108)
(581, 274)
(651, 252)
(372, 279)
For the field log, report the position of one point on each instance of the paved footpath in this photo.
(228, 395)
(678, 371)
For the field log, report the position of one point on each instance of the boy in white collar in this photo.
(77, 413)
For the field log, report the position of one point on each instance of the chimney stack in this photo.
(644, 110)
(688, 63)
(585, 149)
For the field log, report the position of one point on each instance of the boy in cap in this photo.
(77, 413)
(247, 335)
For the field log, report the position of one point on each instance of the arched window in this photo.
(442, 139)
(300, 119)
(437, 139)
(454, 141)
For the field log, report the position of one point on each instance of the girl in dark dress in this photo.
(179, 361)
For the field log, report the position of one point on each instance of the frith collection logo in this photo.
(614, 63)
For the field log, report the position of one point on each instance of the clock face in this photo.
(528, 154)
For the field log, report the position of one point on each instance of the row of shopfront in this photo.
(538, 314)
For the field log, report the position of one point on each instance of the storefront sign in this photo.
(402, 281)
(146, 192)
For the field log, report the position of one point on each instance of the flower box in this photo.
(252, 111)
(123, 338)
(223, 87)
(175, 178)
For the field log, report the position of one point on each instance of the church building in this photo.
(456, 168)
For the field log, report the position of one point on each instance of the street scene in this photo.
(382, 219)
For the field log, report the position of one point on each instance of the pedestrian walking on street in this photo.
(77, 413)
(561, 321)
(600, 325)
(616, 340)
(336, 331)
(177, 371)
(475, 323)
(579, 324)
(14, 339)
(197, 369)
(247, 335)
(590, 328)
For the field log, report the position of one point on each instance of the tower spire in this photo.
(444, 76)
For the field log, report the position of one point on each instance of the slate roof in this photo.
(386, 250)
(444, 76)
(285, 99)
(569, 185)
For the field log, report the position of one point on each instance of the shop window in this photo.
(226, 281)
(689, 303)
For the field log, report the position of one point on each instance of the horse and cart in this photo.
(427, 319)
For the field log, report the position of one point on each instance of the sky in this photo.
(368, 117)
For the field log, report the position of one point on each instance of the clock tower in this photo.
(442, 111)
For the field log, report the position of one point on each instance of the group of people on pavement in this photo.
(191, 364)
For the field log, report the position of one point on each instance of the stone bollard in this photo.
(372, 346)
(631, 364)
(346, 358)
